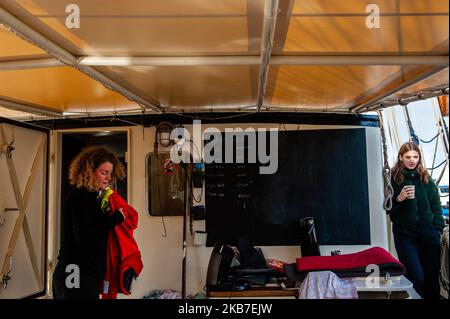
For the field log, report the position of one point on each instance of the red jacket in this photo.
(122, 250)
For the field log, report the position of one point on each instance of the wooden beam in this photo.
(26, 197)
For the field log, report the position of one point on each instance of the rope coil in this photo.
(388, 190)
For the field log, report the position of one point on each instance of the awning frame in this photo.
(85, 65)
(28, 34)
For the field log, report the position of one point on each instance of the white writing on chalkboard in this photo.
(235, 149)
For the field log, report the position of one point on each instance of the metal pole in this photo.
(270, 21)
(29, 108)
(360, 60)
(29, 64)
(256, 60)
(387, 94)
(409, 99)
(183, 275)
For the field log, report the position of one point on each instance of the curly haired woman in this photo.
(85, 225)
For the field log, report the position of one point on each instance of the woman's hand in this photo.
(406, 193)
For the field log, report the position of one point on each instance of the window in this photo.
(165, 186)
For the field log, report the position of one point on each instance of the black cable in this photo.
(99, 119)
(159, 196)
(410, 127)
(196, 148)
(191, 186)
(433, 168)
(190, 182)
(426, 142)
(435, 153)
(215, 118)
(200, 197)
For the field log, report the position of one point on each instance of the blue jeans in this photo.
(419, 250)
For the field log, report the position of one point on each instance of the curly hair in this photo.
(399, 166)
(82, 169)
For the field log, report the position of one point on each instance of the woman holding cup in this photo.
(417, 220)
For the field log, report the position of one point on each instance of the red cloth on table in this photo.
(352, 263)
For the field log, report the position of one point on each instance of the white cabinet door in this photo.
(23, 209)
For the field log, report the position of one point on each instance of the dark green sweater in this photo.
(424, 209)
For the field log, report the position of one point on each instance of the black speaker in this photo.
(308, 238)
(219, 268)
(198, 212)
(198, 175)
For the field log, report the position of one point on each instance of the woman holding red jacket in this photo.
(81, 266)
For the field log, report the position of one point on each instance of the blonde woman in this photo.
(85, 225)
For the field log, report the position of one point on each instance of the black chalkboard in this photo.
(321, 173)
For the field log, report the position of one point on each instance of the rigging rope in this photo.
(426, 142)
(444, 129)
(388, 190)
(436, 167)
(434, 155)
(413, 134)
(438, 180)
(444, 125)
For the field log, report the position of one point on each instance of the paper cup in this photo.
(413, 187)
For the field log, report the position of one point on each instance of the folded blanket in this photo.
(352, 265)
(327, 285)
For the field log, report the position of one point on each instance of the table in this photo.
(392, 284)
(256, 292)
(364, 287)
